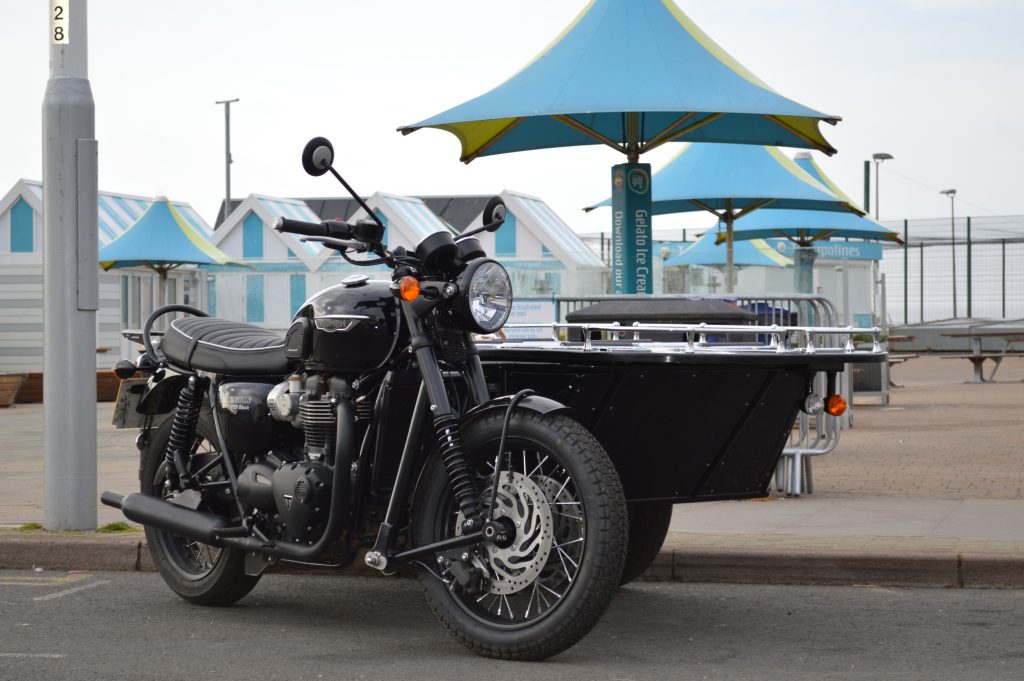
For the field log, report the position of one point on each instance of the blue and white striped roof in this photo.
(416, 217)
(294, 210)
(118, 212)
(553, 228)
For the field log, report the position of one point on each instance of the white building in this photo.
(544, 257)
(126, 296)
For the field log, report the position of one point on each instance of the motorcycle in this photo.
(304, 449)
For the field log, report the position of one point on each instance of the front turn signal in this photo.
(835, 405)
(409, 289)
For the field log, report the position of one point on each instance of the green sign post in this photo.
(632, 258)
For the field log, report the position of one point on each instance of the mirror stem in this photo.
(355, 196)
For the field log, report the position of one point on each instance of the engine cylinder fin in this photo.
(319, 425)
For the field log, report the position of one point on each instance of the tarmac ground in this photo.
(927, 491)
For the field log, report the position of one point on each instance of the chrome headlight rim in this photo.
(464, 304)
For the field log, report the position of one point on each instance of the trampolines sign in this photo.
(530, 312)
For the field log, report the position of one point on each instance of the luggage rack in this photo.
(696, 338)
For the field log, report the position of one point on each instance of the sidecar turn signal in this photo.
(835, 405)
(409, 289)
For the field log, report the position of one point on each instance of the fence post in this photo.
(1004, 277)
(921, 245)
(906, 271)
(969, 315)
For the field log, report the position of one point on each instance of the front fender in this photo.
(535, 403)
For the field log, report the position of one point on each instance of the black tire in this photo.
(565, 468)
(201, 574)
(648, 527)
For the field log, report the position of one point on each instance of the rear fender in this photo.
(162, 392)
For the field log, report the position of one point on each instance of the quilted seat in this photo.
(224, 347)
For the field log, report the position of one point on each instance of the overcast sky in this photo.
(935, 83)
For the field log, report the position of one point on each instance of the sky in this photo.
(935, 83)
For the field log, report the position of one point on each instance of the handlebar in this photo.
(332, 229)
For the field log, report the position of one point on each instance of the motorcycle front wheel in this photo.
(548, 587)
(199, 573)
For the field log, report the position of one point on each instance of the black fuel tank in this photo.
(352, 327)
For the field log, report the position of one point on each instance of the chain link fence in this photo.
(967, 267)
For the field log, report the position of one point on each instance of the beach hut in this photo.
(126, 297)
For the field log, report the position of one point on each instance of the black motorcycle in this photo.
(370, 425)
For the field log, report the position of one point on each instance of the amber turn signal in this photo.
(835, 405)
(409, 289)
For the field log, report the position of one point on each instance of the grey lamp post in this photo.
(951, 193)
(879, 157)
(70, 275)
(227, 154)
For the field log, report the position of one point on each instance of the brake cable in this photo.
(498, 463)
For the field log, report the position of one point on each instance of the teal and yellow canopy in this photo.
(808, 226)
(631, 74)
(737, 179)
(706, 251)
(161, 239)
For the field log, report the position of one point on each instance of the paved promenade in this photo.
(926, 491)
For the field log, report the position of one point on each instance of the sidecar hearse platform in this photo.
(697, 419)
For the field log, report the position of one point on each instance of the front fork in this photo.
(433, 399)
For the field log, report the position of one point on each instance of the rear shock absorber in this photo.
(446, 429)
(183, 432)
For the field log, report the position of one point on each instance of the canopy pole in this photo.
(632, 137)
(730, 283)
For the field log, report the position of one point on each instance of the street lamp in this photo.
(227, 154)
(879, 157)
(951, 193)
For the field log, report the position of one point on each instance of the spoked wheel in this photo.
(561, 500)
(200, 573)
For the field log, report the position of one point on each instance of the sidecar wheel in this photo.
(648, 527)
(201, 574)
(551, 585)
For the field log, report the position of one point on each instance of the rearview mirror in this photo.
(318, 156)
(494, 214)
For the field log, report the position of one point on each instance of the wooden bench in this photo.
(978, 360)
(977, 356)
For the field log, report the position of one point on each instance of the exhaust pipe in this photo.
(163, 515)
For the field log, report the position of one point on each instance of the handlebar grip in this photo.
(335, 229)
(283, 224)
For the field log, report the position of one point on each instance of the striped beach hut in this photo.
(126, 297)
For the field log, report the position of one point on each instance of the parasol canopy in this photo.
(631, 74)
(739, 179)
(806, 227)
(731, 181)
(161, 239)
(705, 251)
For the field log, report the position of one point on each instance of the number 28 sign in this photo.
(59, 22)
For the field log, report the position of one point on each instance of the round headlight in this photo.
(487, 295)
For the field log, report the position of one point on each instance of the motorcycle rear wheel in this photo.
(542, 600)
(199, 573)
